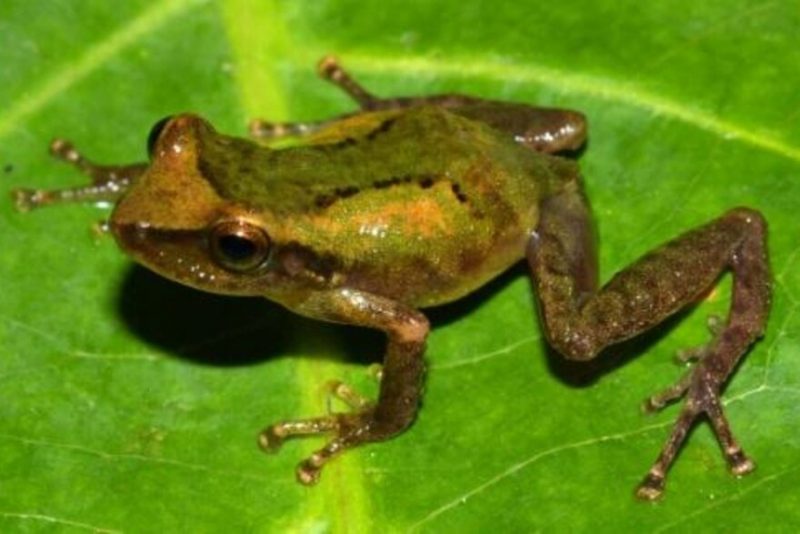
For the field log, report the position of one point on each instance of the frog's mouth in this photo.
(180, 255)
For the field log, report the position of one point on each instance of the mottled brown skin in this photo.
(414, 202)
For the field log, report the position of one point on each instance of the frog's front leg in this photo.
(108, 182)
(401, 378)
(580, 319)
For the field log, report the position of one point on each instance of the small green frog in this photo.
(410, 203)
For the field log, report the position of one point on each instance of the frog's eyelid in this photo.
(155, 133)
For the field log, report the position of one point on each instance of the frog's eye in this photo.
(239, 246)
(155, 132)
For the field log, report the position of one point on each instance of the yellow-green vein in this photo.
(258, 39)
(97, 54)
(33, 517)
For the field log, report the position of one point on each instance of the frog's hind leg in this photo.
(547, 130)
(108, 182)
(542, 129)
(581, 319)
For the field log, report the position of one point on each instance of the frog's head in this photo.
(173, 220)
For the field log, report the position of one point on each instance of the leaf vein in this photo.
(461, 499)
(133, 457)
(485, 356)
(35, 99)
(55, 520)
(725, 500)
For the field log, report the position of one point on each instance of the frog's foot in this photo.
(26, 199)
(354, 400)
(348, 395)
(108, 181)
(667, 396)
(694, 354)
(701, 387)
(375, 371)
(689, 355)
(349, 430)
(400, 388)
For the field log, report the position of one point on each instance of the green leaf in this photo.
(132, 404)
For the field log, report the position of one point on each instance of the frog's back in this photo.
(421, 205)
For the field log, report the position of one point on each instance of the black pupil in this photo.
(155, 131)
(236, 248)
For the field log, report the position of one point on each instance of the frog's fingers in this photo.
(111, 177)
(348, 395)
(27, 199)
(330, 69)
(261, 129)
(108, 182)
(677, 390)
(652, 487)
(272, 437)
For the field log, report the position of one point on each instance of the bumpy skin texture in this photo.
(414, 202)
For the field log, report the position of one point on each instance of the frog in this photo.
(409, 203)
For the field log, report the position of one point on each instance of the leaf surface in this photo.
(132, 404)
